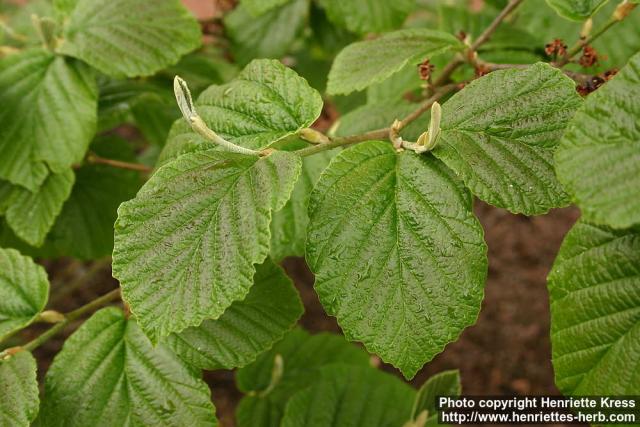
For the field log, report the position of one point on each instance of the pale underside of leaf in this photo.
(50, 116)
(599, 157)
(500, 132)
(186, 246)
(594, 289)
(364, 63)
(31, 215)
(130, 37)
(399, 257)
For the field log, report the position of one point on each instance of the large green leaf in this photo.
(185, 246)
(31, 215)
(129, 37)
(500, 132)
(247, 328)
(364, 63)
(302, 355)
(351, 396)
(265, 103)
(594, 288)
(289, 224)
(108, 374)
(398, 255)
(267, 36)
(364, 16)
(49, 115)
(24, 289)
(19, 390)
(576, 10)
(599, 158)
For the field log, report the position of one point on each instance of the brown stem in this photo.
(448, 70)
(97, 160)
(378, 133)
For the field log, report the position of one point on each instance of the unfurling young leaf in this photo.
(186, 246)
(398, 255)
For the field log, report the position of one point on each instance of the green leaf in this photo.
(203, 68)
(302, 356)
(576, 10)
(19, 387)
(185, 246)
(265, 103)
(598, 160)
(398, 255)
(397, 87)
(267, 36)
(594, 288)
(351, 396)
(365, 16)
(108, 374)
(247, 328)
(289, 224)
(129, 37)
(446, 383)
(24, 289)
(500, 132)
(84, 228)
(31, 215)
(364, 63)
(50, 116)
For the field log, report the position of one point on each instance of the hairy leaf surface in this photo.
(247, 328)
(130, 37)
(599, 158)
(398, 255)
(351, 396)
(302, 356)
(594, 288)
(107, 373)
(500, 132)
(186, 246)
(364, 63)
(364, 16)
(24, 289)
(265, 103)
(19, 389)
(31, 215)
(48, 115)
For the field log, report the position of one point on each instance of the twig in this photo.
(580, 78)
(59, 327)
(378, 133)
(623, 10)
(97, 160)
(483, 38)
